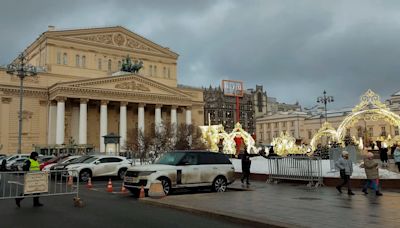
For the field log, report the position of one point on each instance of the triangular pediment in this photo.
(126, 83)
(117, 37)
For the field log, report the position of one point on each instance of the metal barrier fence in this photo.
(299, 168)
(33, 184)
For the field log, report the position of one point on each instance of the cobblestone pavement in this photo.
(294, 205)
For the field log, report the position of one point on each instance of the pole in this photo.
(326, 116)
(21, 94)
(237, 109)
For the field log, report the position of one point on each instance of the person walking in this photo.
(246, 163)
(396, 156)
(383, 152)
(372, 172)
(31, 165)
(345, 165)
(3, 166)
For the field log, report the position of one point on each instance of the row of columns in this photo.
(60, 121)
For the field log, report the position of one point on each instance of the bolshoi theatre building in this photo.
(80, 94)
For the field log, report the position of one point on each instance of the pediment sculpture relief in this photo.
(132, 86)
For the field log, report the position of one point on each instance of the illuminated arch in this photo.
(325, 130)
(370, 108)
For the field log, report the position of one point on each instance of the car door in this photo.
(208, 167)
(115, 164)
(102, 167)
(189, 169)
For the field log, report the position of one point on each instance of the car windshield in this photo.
(92, 159)
(67, 160)
(12, 158)
(171, 158)
(81, 159)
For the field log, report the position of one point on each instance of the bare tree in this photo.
(189, 137)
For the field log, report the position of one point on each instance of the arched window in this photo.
(77, 61)
(58, 57)
(109, 65)
(83, 61)
(155, 71)
(164, 72)
(65, 59)
(151, 70)
(99, 64)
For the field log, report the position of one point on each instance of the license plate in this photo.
(131, 179)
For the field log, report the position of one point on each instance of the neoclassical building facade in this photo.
(80, 95)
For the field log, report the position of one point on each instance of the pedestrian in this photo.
(3, 166)
(372, 172)
(31, 165)
(383, 154)
(246, 163)
(345, 166)
(262, 152)
(271, 151)
(396, 156)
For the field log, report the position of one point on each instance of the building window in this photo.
(99, 64)
(77, 60)
(396, 131)
(109, 65)
(276, 125)
(155, 71)
(292, 133)
(268, 125)
(169, 76)
(259, 102)
(58, 58)
(283, 124)
(276, 134)
(151, 70)
(383, 131)
(65, 59)
(292, 123)
(309, 134)
(83, 61)
(164, 72)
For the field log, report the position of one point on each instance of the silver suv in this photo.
(183, 169)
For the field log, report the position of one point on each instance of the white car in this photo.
(100, 165)
(63, 161)
(183, 169)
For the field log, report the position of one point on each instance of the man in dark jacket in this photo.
(246, 163)
(31, 165)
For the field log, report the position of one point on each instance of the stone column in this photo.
(5, 124)
(103, 124)
(157, 121)
(60, 131)
(51, 133)
(174, 121)
(141, 117)
(123, 125)
(188, 115)
(83, 121)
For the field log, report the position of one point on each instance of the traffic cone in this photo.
(70, 180)
(109, 186)
(141, 194)
(89, 183)
(123, 189)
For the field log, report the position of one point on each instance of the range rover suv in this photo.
(183, 169)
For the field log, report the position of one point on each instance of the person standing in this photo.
(246, 163)
(345, 165)
(372, 172)
(31, 165)
(396, 156)
(383, 152)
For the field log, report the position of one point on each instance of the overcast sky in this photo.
(295, 49)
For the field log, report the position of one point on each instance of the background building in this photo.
(80, 95)
(222, 109)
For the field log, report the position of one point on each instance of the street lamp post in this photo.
(21, 69)
(325, 99)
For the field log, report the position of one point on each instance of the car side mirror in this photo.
(97, 162)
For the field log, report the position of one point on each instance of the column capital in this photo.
(6, 100)
(104, 102)
(141, 105)
(84, 100)
(174, 106)
(159, 105)
(60, 99)
(188, 107)
(124, 103)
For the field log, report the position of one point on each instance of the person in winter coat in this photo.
(3, 166)
(372, 171)
(345, 165)
(31, 165)
(383, 152)
(246, 163)
(396, 156)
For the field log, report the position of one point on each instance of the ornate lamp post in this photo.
(325, 99)
(21, 69)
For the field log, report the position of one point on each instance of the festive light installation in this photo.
(286, 144)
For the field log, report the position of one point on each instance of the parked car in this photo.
(11, 159)
(100, 165)
(63, 161)
(16, 165)
(182, 169)
(45, 158)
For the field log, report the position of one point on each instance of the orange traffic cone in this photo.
(123, 189)
(141, 194)
(89, 183)
(109, 186)
(70, 180)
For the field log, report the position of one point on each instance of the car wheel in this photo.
(219, 184)
(166, 185)
(84, 175)
(121, 173)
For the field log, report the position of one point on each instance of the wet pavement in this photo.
(294, 205)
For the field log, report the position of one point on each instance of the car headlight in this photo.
(146, 173)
